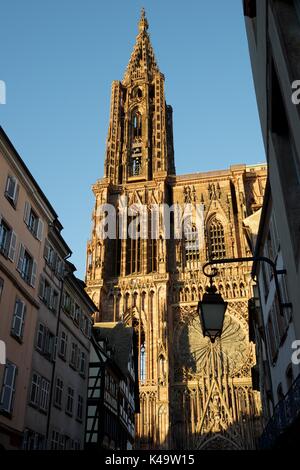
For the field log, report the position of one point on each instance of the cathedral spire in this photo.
(142, 63)
(143, 24)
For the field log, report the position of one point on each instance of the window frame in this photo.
(11, 387)
(18, 333)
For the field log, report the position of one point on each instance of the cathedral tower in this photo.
(192, 394)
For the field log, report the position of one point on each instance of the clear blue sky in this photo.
(58, 59)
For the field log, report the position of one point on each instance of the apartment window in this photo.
(45, 342)
(62, 442)
(76, 445)
(80, 408)
(77, 314)
(82, 322)
(53, 260)
(35, 389)
(48, 295)
(1, 286)
(8, 387)
(67, 302)
(63, 344)
(70, 401)
(59, 387)
(33, 222)
(40, 337)
(49, 345)
(44, 394)
(12, 190)
(33, 440)
(27, 266)
(49, 255)
(18, 321)
(8, 241)
(74, 355)
(54, 440)
(82, 363)
(54, 301)
(44, 290)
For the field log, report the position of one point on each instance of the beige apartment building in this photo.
(273, 31)
(34, 274)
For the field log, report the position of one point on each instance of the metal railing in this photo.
(285, 413)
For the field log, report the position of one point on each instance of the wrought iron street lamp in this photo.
(212, 310)
(212, 307)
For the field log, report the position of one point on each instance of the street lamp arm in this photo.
(255, 259)
(244, 259)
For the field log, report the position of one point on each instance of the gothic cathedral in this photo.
(194, 394)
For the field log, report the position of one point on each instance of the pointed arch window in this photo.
(143, 362)
(192, 245)
(152, 246)
(137, 124)
(141, 342)
(217, 248)
(133, 247)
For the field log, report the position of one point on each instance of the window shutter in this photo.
(16, 311)
(8, 185)
(27, 210)
(16, 192)
(21, 257)
(12, 246)
(51, 298)
(23, 320)
(11, 185)
(46, 250)
(54, 260)
(19, 318)
(33, 273)
(63, 300)
(72, 309)
(8, 387)
(55, 301)
(40, 229)
(60, 268)
(42, 287)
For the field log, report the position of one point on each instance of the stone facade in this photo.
(193, 394)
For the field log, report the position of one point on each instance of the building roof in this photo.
(4, 137)
(120, 338)
(21, 166)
